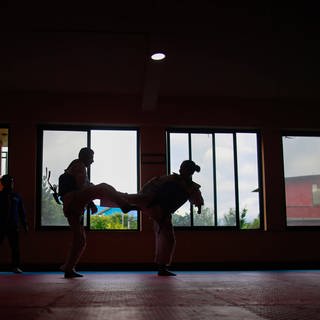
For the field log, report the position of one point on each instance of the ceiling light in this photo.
(158, 56)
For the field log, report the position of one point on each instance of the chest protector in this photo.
(67, 183)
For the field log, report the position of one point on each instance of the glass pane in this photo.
(59, 149)
(248, 181)
(4, 151)
(301, 156)
(225, 179)
(115, 163)
(179, 151)
(201, 145)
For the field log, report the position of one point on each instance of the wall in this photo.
(273, 246)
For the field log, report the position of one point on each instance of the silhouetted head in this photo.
(7, 181)
(86, 156)
(188, 168)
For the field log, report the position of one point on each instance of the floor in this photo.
(249, 295)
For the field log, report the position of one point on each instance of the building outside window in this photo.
(229, 177)
(301, 154)
(115, 162)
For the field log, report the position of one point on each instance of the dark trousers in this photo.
(12, 235)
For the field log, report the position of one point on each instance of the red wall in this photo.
(23, 112)
(299, 197)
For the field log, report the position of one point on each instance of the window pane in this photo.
(201, 145)
(248, 181)
(225, 179)
(301, 156)
(115, 163)
(59, 149)
(179, 151)
(4, 151)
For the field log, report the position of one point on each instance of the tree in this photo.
(51, 212)
(206, 219)
(179, 220)
(229, 219)
(116, 221)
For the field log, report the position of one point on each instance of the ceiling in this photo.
(212, 50)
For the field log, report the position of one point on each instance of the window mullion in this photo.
(190, 157)
(89, 175)
(215, 212)
(261, 218)
(236, 180)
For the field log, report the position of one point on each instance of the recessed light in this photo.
(158, 56)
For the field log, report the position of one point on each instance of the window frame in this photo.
(81, 128)
(6, 126)
(212, 131)
(297, 133)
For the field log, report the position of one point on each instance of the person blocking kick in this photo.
(77, 193)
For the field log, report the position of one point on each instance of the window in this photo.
(315, 195)
(4, 132)
(115, 162)
(229, 177)
(301, 154)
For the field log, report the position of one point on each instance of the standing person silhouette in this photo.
(78, 193)
(159, 198)
(12, 214)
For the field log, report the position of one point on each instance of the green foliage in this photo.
(116, 221)
(179, 220)
(206, 219)
(51, 212)
(255, 224)
(203, 219)
(230, 219)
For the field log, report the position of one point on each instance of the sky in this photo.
(301, 156)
